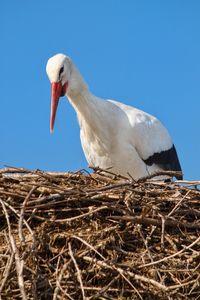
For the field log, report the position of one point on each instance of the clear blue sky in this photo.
(143, 53)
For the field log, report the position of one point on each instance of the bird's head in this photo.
(58, 70)
(65, 80)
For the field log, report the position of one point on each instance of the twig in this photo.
(88, 245)
(97, 169)
(178, 204)
(58, 283)
(163, 221)
(25, 222)
(105, 288)
(171, 256)
(180, 285)
(121, 271)
(118, 270)
(81, 216)
(10, 169)
(21, 237)
(18, 261)
(77, 270)
(148, 251)
(155, 222)
(161, 173)
(6, 272)
(188, 182)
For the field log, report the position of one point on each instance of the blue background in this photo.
(143, 53)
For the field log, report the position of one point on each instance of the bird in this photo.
(114, 136)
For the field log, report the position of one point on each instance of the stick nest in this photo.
(97, 236)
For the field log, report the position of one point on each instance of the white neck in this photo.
(79, 95)
(83, 103)
(77, 85)
(90, 110)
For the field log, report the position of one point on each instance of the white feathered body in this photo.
(119, 137)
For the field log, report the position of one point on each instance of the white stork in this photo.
(113, 135)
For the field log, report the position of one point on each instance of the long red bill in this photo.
(56, 90)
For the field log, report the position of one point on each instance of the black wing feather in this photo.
(167, 160)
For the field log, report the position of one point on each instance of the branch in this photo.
(155, 222)
(131, 274)
(21, 218)
(171, 256)
(6, 272)
(19, 263)
(170, 174)
(77, 270)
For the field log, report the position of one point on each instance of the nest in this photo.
(97, 236)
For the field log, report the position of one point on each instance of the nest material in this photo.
(97, 236)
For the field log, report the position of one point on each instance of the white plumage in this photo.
(113, 135)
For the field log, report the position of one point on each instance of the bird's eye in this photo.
(61, 70)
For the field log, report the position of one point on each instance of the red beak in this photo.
(56, 89)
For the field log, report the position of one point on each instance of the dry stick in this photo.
(94, 288)
(98, 245)
(173, 287)
(18, 215)
(105, 288)
(25, 222)
(81, 216)
(162, 229)
(56, 290)
(150, 221)
(13, 170)
(19, 263)
(187, 182)
(12, 194)
(122, 272)
(36, 173)
(161, 173)
(173, 255)
(6, 272)
(58, 255)
(83, 241)
(97, 169)
(149, 252)
(108, 187)
(177, 205)
(197, 282)
(88, 245)
(117, 269)
(64, 292)
(55, 188)
(77, 270)
(101, 179)
(21, 237)
(58, 283)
